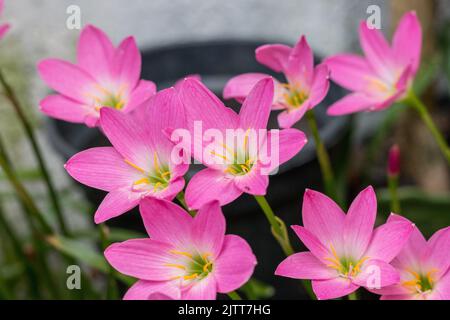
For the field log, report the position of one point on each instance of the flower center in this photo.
(195, 266)
(346, 266)
(108, 98)
(155, 180)
(295, 96)
(421, 283)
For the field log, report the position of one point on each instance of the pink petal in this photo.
(407, 41)
(317, 248)
(397, 297)
(388, 240)
(205, 289)
(127, 63)
(65, 78)
(115, 203)
(304, 265)
(240, 86)
(437, 254)
(359, 222)
(144, 90)
(376, 274)
(4, 28)
(253, 182)
(175, 186)
(235, 265)
(142, 258)
(396, 289)
(442, 287)
(274, 56)
(95, 52)
(208, 229)
(376, 50)
(333, 288)
(151, 290)
(208, 185)
(350, 71)
(256, 108)
(354, 102)
(62, 108)
(166, 222)
(101, 168)
(320, 85)
(323, 217)
(288, 118)
(300, 66)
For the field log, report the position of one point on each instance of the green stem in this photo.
(112, 291)
(413, 101)
(353, 296)
(322, 156)
(11, 96)
(181, 199)
(393, 190)
(234, 295)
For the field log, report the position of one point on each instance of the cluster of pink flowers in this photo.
(187, 254)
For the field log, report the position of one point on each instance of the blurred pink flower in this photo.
(226, 181)
(305, 88)
(346, 252)
(386, 72)
(185, 258)
(394, 161)
(139, 164)
(104, 76)
(4, 27)
(424, 267)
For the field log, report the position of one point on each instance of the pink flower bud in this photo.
(394, 161)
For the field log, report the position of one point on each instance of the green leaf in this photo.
(257, 290)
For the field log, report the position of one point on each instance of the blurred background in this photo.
(216, 39)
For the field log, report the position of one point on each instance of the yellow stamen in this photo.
(205, 267)
(179, 266)
(219, 155)
(155, 162)
(155, 187)
(182, 253)
(164, 174)
(134, 166)
(192, 276)
(246, 138)
(140, 181)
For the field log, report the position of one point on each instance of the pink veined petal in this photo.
(359, 223)
(101, 168)
(317, 248)
(274, 56)
(63, 108)
(411, 254)
(290, 143)
(288, 118)
(129, 137)
(396, 289)
(388, 101)
(95, 52)
(179, 82)
(300, 66)
(143, 91)
(144, 259)
(115, 203)
(333, 288)
(235, 264)
(205, 289)
(66, 78)
(202, 105)
(166, 222)
(304, 265)
(4, 29)
(376, 50)
(240, 86)
(376, 274)
(407, 41)
(388, 240)
(442, 287)
(256, 108)
(254, 182)
(320, 85)
(323, 218)
(91, 121)
(127, 63)
(208, 229)
(350, 71)
(153, 290)
(208, 185)
(351, 103)
(397, 297)
(437, 254)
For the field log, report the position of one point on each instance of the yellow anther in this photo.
(166, 173)
(246, 138)
(156, 186)
(155, 162)
(140, 181)
(205, 267)
(244, 168)
(182, 253)
(179, 266)
(134, 166)
(190, 277)
(219, 155)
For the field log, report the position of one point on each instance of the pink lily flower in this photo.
(226, 180)
(185, 258)
(104, 76)
(424, 267)
(345, 251)
(386, 72)
(4, 27)
(306, 85)
(139, 164)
